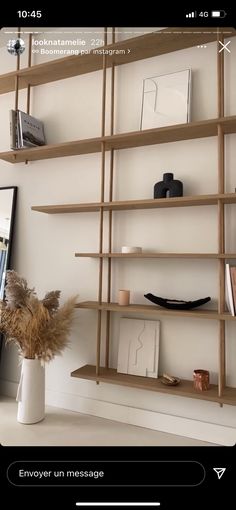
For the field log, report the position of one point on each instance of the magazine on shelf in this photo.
(31, 131)
(229, 290)
(25, 130)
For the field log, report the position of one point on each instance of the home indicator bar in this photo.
(124, 503)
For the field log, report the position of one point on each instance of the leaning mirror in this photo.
(7, 217)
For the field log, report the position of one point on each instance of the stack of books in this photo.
(25, 131)
(230, 281)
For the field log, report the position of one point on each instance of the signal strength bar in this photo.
(191, 15)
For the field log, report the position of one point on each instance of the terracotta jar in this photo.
(123, 297)
(201, 380)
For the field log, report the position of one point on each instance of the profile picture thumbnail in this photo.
(16, 46)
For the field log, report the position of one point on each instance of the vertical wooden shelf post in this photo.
(29, 65)
(101, 219)
(108, 314)
(17, 76)
(28, 86)
(221, 213)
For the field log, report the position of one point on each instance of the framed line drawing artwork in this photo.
(138, 352)
(166, 100)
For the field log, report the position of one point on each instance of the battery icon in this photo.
(218, 14)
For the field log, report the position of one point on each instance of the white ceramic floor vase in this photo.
(31, 392)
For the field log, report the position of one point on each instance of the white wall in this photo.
(44, 245)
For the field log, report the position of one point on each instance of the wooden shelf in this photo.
(154, 255)
(58, 150)
(129, 140)
(184, 389)
(126, 205)
(68, 208)
(131, 50)
(198, 313)
(174, 133)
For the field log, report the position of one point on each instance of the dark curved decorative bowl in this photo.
(174, 304)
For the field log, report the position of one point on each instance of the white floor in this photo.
(65, 428)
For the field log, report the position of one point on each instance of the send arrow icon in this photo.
(219, 472)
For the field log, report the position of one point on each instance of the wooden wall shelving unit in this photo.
(138, 48)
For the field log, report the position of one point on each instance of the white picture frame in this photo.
(166, 100)
(138, 352)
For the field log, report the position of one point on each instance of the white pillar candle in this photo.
(131, 249)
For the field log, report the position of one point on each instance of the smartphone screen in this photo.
(117, 258)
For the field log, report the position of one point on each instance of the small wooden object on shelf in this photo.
(169, 380)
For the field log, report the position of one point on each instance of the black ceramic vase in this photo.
(169, 187)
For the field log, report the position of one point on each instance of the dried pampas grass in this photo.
(39, 328)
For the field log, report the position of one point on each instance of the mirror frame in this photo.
(11, 232)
